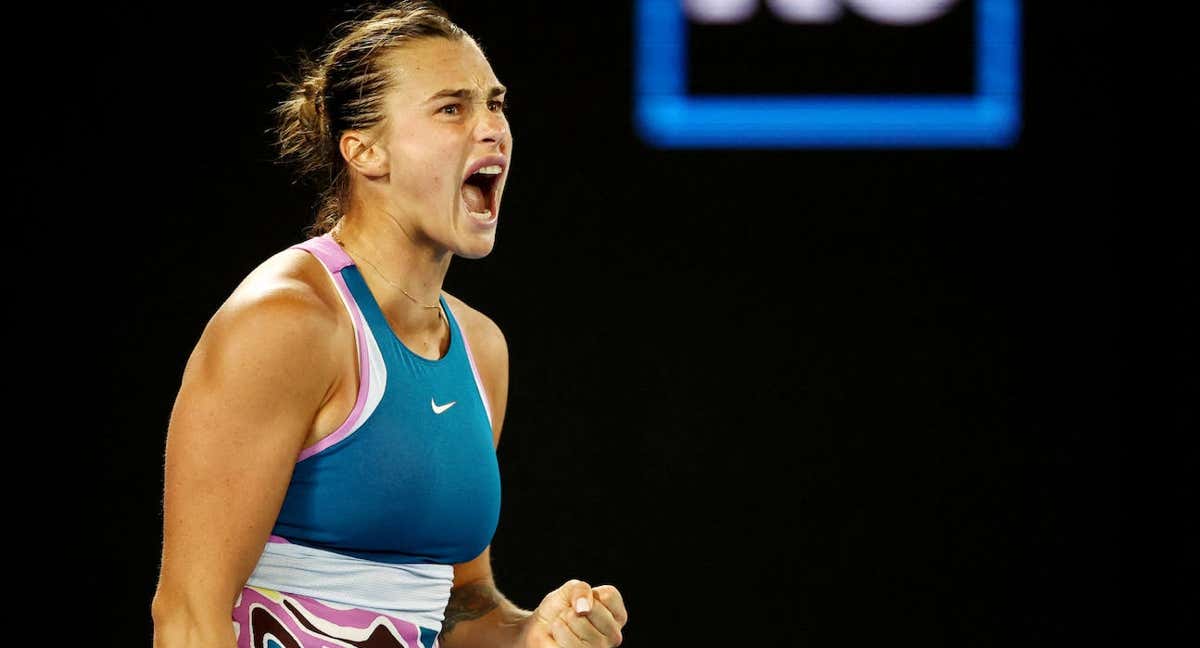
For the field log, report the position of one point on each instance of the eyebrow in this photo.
(464, 93)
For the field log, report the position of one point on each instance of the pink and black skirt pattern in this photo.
(266, 618)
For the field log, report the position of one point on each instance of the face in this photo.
(447, 145)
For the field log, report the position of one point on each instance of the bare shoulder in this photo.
(283, 306)
(290, 275)
(483, 334)
(490, 351)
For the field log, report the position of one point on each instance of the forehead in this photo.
(430, 65)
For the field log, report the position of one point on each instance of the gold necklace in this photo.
(338, 240)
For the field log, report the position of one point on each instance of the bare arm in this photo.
(250, 392)
(477, 613)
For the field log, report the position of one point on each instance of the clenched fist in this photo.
(576, 615)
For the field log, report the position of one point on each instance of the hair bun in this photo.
(314, 93)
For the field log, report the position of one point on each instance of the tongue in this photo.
(474, 198)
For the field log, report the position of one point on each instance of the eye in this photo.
(454, 106)
(498, 103)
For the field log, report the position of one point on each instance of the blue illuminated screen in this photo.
(667, 115)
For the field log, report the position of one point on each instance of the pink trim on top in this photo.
(334, 258)
(471, 359)
(278, 539)
(328, 251)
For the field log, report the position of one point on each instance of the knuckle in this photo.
(575, 582)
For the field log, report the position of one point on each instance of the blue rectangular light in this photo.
(666, 116)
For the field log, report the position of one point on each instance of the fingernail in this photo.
(582, 605)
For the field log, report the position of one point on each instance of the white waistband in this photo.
(413, 592)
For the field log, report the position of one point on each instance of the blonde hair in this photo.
(343, 90)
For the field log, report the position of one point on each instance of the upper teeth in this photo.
(490, 170)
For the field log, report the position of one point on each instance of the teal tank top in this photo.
(411, 476)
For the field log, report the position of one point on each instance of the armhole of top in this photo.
(361, 360)
(487, 406)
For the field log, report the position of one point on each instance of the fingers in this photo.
(564, 636)
(597, 628)
(612, 599)
(573, 595)
(581, 616)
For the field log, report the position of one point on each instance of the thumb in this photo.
(580, 595)
(572, 595)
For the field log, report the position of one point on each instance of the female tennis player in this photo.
(331, 475)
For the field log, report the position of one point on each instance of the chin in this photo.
(476, 249)
(474, 237)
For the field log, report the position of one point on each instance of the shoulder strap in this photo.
(327, 251)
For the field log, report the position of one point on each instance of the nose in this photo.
(492, 127)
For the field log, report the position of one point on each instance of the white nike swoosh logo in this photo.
(438, 409)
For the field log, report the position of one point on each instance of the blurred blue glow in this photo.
(667, 117)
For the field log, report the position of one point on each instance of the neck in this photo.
(402, 260)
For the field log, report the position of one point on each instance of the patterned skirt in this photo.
(265, 618)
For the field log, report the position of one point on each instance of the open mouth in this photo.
(479, 191)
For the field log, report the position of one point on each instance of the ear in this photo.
(364, 152)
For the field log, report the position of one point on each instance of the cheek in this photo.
(421, 174)
(425, 166)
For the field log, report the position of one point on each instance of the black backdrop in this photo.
(795, 397)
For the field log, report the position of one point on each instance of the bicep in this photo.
(246, 402)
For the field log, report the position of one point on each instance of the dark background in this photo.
(849, 56)
(777, 397)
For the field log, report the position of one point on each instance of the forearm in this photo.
(183, 630)
(479, 616)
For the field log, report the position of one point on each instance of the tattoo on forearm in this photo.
(469, 602)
